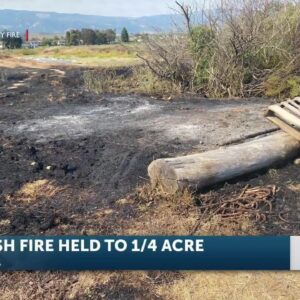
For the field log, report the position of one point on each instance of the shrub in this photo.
(243, 49)
(281, 87)
(201, 44)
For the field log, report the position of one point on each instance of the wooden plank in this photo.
(291, 106)
(285, 127)
(297, 101)
(294, 102)
(285, 115)
(197, 171)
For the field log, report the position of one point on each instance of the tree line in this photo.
(87, 36)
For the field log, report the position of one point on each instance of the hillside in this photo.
(49, 22)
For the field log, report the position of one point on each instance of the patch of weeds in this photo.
(283, 83)
(99, 82)
(27, 52)
(137, 80)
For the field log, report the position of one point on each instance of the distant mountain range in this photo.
(58, 23)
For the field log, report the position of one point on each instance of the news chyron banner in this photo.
(149, 253)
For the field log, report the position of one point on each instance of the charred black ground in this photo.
(53, 129)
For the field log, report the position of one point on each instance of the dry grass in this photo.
(157, 213)
(213, 285)
(294, 187)
(164, 214)
(86, 281)
(30, 192)
(151, 285)
(139, 80)
(234, 286)
(165, 220)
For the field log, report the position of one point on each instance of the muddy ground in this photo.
(71, 160)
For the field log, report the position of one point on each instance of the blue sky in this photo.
(128, 8)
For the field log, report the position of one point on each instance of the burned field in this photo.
(75, 162)
(79, 152)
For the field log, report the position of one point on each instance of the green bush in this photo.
(279, 87)
(201, 44)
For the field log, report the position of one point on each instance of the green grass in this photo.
(104, 55)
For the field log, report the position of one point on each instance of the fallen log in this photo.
(197, 171)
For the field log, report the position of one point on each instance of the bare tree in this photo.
(186, 11)
(168, 55)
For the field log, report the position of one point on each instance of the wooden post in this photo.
(201, 170)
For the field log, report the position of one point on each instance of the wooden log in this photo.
(197, 171)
